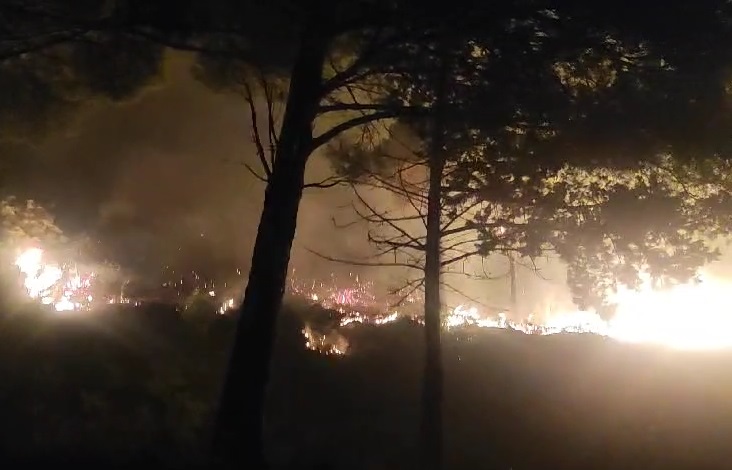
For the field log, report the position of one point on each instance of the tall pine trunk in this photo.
(238, 433)
(432, 386)
(514, 292)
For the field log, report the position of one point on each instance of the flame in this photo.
(329, 344)
(688, 316)
(51, 284)
(226, 306)
(692, 316)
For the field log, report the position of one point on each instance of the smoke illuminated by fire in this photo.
(687, 316)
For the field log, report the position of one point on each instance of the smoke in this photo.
(160, 181)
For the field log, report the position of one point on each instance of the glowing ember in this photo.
(226, 306)
(356, 295)
(329, 344)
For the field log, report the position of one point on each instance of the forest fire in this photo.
(686, 316)
(690, 316)
(52, 284)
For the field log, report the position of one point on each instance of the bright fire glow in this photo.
(688, 316)
(693, 316)
(226, 306)
(51, 284)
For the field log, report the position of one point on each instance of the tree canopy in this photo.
(55, 59)
(555, 115)
(566, 131)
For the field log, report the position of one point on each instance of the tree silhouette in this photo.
(522, 177)
(345, 66)
(55, 59)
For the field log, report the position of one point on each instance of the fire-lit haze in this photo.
(646, 315)
(159, 182)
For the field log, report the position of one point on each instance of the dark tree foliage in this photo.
(54, 58)
(642, 124)
(348, 64)
(559, 119)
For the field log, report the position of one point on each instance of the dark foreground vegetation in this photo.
(134, 387)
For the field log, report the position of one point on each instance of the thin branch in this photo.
(256, 175)
(412, 289)
(470, 298)
(398, 190)
(356, 106)
(354, 70)
(249, 98)
(271, 128)
(456, 230)
(413, 200)
(346, 225)
(406, 218)
(533, 268)
(477, 277)
(459, 243)
(329, 182)
(363, 263)
(460, 214)
(457, 258)
(406, 285)
(384, 219)
(396, 244)
(337, 130)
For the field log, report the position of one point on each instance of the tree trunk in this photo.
(432, 387)
(514, 296)
(238, 433)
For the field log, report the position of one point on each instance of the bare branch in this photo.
(470, 298)
(329, 182)
(355, 70)
(533, 268)
(356, 106)
(345, 225)
(414, 287)
(338, 129)
(395, 243)
(256, 175)
(460, 214)
(386, 220)
(400, 190)
(484, 277)
(271, 128)
(249, 98)
(457, 258)
(456, 230)
(363, 263)
(459, 243)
